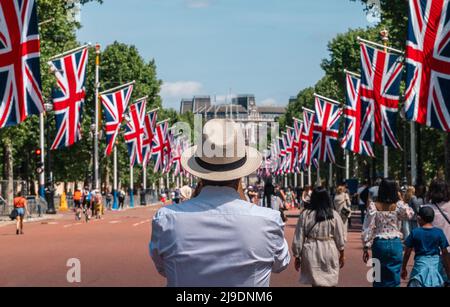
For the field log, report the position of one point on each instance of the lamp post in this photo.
(94, 170)
(50, 191)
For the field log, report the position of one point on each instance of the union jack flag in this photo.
(427, 98)
(150, 123)
(380, 94)
(20, 74)
(298, 130)
(134, 132)
(68, 99)
(307, 137)
(161, 146)
(114, 106)
(326, 130)
(291, 152)
(352, 112)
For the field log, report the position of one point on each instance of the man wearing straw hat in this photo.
(217, 239)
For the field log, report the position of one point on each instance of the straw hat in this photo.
(223, 155)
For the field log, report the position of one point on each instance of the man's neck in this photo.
(427, 226)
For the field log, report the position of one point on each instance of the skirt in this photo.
(426, 272)
(389, 253)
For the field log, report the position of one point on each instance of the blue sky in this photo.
(269, 48)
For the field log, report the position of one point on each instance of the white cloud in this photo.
(197, 4)
(268, 102)
(181, 89)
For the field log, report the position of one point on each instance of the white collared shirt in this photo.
(218, 240)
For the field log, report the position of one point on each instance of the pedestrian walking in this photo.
(20, 208)
(278, 205)
(343, 206)
(217, 239)
(290, 198)
(269, 189)
(383, 234)
(109, 199)
(428, 243)
(98, 204)
(363, 200)
(306, 197)
(318, 245)
(439, 201)
(121, 199)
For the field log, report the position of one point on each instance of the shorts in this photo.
(20, 212)
(77, 203)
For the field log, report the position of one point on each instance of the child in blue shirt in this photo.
(428, 244)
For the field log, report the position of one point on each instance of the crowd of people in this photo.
(395, 221)
(224, 236)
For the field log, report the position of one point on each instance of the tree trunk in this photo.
(8, 170)
(107, 174)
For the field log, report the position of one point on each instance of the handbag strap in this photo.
(442, 213)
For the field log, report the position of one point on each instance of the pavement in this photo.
(114, 252)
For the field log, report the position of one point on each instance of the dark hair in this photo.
(321, 204)
(388, 191)
(421, 191)
(426, 214)
(438, 192)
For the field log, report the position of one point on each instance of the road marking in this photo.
(70, 225)
(141, 223)
(115, 222)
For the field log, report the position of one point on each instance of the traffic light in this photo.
(38, 161)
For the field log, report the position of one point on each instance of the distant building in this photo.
(243, 108)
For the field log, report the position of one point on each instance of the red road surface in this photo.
(114, 252)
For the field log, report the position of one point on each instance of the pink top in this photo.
(385, 224)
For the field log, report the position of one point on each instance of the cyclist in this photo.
(87, 200)
(77, 197)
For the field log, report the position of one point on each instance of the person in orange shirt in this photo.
(77, 196)
(20, 205)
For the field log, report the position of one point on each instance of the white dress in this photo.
(319, 253)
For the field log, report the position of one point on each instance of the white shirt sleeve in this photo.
(154, 245)
(282, 257)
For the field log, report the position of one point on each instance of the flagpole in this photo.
(167, 183)
(115, 207)
(131, 187)
(318, 174)
(302, 179)
(309, 176)
(61, 55)
(97, 112)
(347, 165)
(413, 154)
(42, 145)
(144, 179)
(385, 38)
(330, 174)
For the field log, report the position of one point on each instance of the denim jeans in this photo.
(389, 252)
